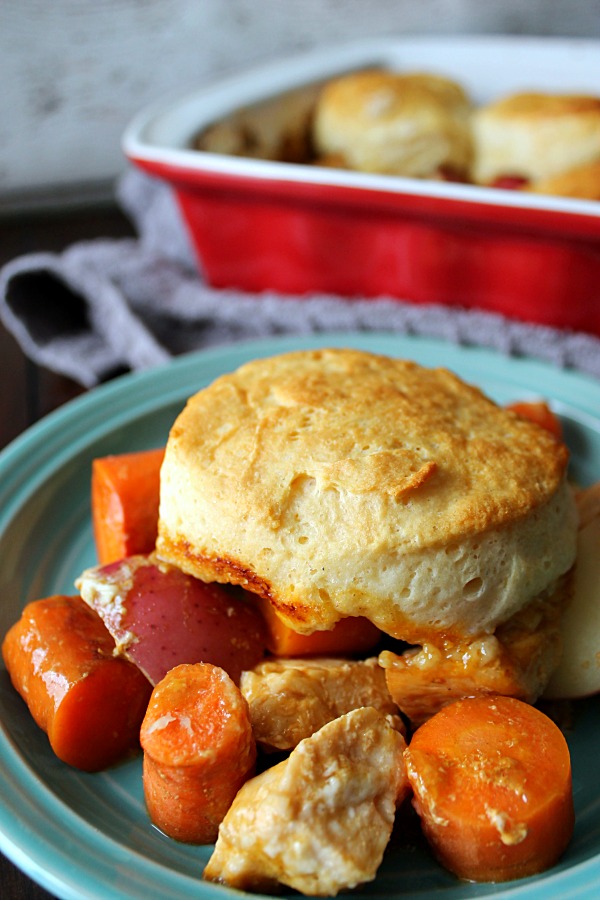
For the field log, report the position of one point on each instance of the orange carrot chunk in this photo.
(352, 636)
(125, 497)
(539, 412)
(59, 656)
(198, 751)
(491, 778)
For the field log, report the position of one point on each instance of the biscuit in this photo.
(414, 125)
(535, 136)
(339, 483)
(580, 182)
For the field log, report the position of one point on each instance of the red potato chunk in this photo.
(160, 617)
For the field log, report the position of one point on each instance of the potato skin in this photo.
(160, 617)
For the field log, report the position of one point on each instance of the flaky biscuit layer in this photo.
(537, 136)
(394, 123)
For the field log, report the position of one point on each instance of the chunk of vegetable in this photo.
(198, 751)
(578, 672)
(90, 703)
(510, 182)
(125, 498)
(160, 617)
(492, 785)
(539, 412)
(352, 636)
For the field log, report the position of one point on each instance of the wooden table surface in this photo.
(28, 392)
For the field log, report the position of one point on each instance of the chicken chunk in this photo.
(290, 699)
(516, 661)
(319, 821)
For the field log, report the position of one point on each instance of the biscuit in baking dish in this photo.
(339, 483)
(581, 182)
(534, 135)
(414, 125)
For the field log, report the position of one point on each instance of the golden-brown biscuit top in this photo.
(366, 424)
(395, 123)
(536, 136)
(377, 94)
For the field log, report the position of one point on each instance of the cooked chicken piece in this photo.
(319, 821)
(517, 661)
(290, 699)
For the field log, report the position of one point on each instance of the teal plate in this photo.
(87, 836)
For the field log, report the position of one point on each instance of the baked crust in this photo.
(337, 482)
(412, 124)
(536, 136)
(580, 182)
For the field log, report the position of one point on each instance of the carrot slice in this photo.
(90, 703)
(198, 751)
(539, 412)
(492, 785)
(352, 636)
(125, 498)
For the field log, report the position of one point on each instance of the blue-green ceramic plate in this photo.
(87, 836)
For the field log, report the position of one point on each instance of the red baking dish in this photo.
(259, 225)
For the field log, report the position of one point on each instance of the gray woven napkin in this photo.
(106, 306)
